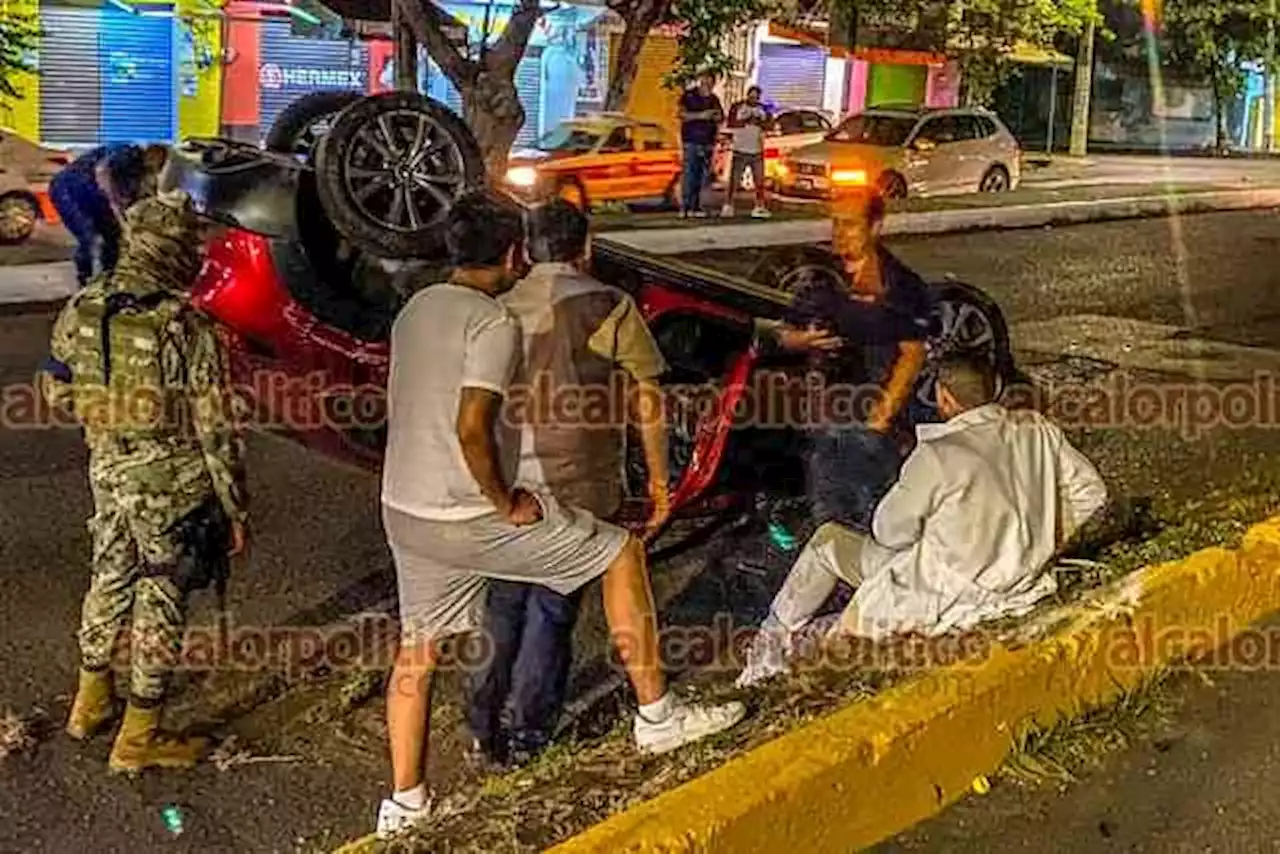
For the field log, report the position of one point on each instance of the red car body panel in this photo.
(294, 367)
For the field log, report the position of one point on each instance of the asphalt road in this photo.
(318, 545)
(1205, 782)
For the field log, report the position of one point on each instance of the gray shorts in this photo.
(443, 568)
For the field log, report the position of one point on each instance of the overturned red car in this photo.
(332, 231)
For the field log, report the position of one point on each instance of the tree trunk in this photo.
(1080, 104)
(492, 109)
(1220, 113)
(640, 18)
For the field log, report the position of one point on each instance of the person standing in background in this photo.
(92, 193)
(748, 120)
(700, 116)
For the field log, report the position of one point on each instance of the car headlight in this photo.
(522, 176)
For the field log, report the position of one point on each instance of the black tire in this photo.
(952, 302)
(19, 213)
(892, 186)
(362, 139)
(574, 192)
(996, 180)
(671, 196)
(294, 131)
(792, 268)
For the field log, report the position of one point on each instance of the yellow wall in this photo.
(22, 114)
(649, 99)
(201, 115)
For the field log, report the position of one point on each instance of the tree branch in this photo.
(510, 47)
(428, 24)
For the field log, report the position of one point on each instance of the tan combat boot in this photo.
(140, 744)
(94, 706)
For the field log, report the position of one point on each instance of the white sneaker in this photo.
(761, 213)
(728, 211)
(686, 725)
(767, 656)
(394, 818)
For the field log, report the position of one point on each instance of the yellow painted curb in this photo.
(876, 767)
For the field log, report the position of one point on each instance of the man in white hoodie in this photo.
(968, 533)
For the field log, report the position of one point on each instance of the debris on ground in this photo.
(228, 755)
(18, 733)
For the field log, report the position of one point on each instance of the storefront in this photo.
(792, 76)
(107, 75)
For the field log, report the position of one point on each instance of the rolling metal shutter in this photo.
(70, 86)
(528, 88)
(793, 76)
(650, 99)
(136, 61)
(293, 66)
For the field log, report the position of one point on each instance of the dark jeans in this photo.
(696, 170)
(86, 213)
(850, 470)
(530, 628)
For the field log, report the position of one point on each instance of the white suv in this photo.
(908, 151)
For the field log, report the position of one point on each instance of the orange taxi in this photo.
(601, 158)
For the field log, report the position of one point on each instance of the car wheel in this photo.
(794, 268)
(300, 125)
(995, 181)
(892, 186)
(572, 191)
(969, 322)
(389, 170)
(19, 213)
(671, 196)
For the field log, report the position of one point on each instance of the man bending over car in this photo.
(967, 534)
(454, 518)
(586, 340)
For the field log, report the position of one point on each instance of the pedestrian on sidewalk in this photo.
(455, 519)
(700, 116)
(969, 533)
(144, 373)
(91, 194)
(582, 339)
(748, 120)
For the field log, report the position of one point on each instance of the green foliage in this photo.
(705, 26)
(978, 34)
(19, 35)
(1212, 41)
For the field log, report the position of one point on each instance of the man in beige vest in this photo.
(587, 355)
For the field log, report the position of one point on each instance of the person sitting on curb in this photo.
(454, 518)
(968, 533)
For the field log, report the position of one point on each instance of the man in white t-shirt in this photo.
(747, 122)
(454, 518)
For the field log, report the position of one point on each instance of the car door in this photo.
(613, 166)
(974, 145)
(933, 160)
(657, 162)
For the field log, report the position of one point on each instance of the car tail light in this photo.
(772, 154)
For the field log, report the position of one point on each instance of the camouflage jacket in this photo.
(146, 375)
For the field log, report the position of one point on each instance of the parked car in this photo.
(601, 158)
(908, 151)
(309, 320)
(26, 168)
(791, 129)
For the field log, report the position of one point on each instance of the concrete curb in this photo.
(676, 241)
(874, 768)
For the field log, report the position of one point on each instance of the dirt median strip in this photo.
(886, 763)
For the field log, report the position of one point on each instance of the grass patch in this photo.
(1060, 753)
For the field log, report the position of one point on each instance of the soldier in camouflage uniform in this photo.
(144, 373)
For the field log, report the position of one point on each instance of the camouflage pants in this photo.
(126, 593)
